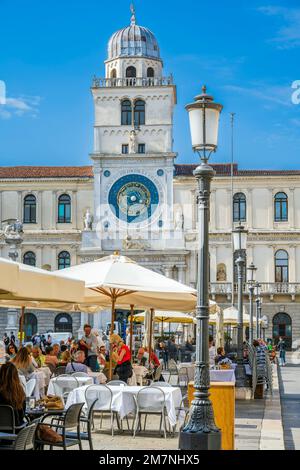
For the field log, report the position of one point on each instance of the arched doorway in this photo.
(63, 323)
(282, 327)
(30, 326)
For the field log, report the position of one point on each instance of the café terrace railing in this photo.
(266, 289)
(132, 82)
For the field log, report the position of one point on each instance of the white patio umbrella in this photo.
(36, 286)
(9, 273)
(230, 317)
(166, 317)
(120, 282)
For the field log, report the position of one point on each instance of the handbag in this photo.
(47, 434)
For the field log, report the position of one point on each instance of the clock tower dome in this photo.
(133, 144)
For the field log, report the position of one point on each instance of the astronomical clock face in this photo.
(133, 198)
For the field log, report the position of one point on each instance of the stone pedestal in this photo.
(12, 322)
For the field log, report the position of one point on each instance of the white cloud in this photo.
(264, 93)
(21, 106)
(288, 35)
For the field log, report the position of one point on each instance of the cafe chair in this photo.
(63, 385)
(7, 420)
(26, 438)
(103, 396)
(30, 386)
(150, 400)
(88, 421)
(60, 370)
(63, 425)
(80, 374)
(161, 384)
(115, 383)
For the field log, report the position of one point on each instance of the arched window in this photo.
(29, 258)
(131, 72)
(126, 113)
(113, 73)
(139, 113)
(30, 209)
(150, 72)
(281, 266)
(64, 260)
(239, 208)
(281, 207)
(63, 323)
(30, 327)
(282, 328)
(64, 209)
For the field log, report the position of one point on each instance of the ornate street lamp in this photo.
(251, 283)
(201, 432)
(240, 245)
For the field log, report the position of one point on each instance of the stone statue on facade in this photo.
(135, 244)
(88, 220)
(132, 142)
(13, 229)
(221, 273)
(179, 219)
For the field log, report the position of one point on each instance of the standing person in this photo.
(124, 367)
(281, 347)
(6, 340)
(172, 349)
(12, 337)
(212, 351)
(89, 343)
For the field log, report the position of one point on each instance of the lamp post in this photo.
(251, 282)
(257, 301)
(201, 432)
(240, 245)
(259, 316)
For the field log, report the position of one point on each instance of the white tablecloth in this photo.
(82, 381)
(123, 401)
(215, 375)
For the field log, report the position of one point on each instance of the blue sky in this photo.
(247, 53)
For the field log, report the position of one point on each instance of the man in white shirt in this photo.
(212, 351)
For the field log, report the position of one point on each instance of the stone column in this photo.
(181, 274)
(83, 320)
(40, 210)
(74, 209)
(54, 214)
(213, 263)
(250, 208)
(12, 322)
(168, 271)
(292, 264)
(291, 208)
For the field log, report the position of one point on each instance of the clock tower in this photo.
(133, 146)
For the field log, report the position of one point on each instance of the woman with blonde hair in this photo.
(123, 358)
(12, 392)
(23, 363)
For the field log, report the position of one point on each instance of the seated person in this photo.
(11, 351)
(38, 357)
(23, 363)
(77, 365)
(65, 358)
(221, 357)
(51, 358)
(102, 357)
(56, 350)
(12, 392)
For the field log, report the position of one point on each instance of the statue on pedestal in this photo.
(179, 219)
(88, 221)
(132, 142)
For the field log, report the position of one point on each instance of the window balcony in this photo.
(132, 82)
(268, 289)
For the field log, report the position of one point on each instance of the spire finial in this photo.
(204, 89)
(133, 17)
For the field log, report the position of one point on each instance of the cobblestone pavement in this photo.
(289, 381)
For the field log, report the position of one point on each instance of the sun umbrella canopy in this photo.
(129, 283)
(38, 285)
(9, 276)
(230, 317)
(167, 317)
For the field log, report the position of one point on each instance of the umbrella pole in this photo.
(131, 331)
(151, 332)
(113, 307)
(22, 318)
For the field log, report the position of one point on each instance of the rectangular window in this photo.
(142, 148)
(125, 149)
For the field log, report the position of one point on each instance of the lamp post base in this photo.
(200, 440)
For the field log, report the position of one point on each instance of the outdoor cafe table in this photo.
(222, 375)
(123, 400)
(81, 380)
